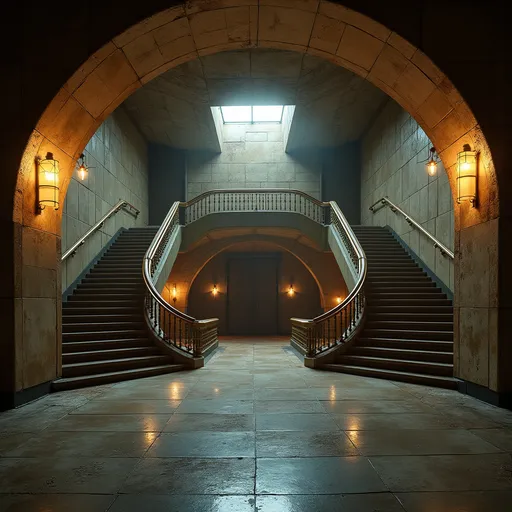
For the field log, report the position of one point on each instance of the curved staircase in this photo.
(408, 333)
(104, 335)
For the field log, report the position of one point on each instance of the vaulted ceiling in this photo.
(333, 105)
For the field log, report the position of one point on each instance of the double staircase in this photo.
(104, 335)
(408, 332)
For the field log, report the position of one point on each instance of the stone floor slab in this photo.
(312, 422)
(112, 423)
(210, 422)
(55, 503)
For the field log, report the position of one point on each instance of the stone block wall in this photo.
(392, 153)
(253, 156)
(118, 161)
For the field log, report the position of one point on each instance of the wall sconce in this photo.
(432, 162)
(291, 291)
(174, 294)
(467, 173)
(48, 183)
(83, 170)
(338, 300)
(215, 291)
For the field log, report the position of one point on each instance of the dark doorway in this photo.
(252, 294)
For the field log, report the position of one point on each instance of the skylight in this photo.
(252, 114)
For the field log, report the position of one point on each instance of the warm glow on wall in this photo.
(467, 173)
(338, 300)
(291, 291)
(48, 183)
(215, 291)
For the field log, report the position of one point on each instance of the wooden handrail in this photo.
(384, 201)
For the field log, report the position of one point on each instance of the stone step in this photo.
(432, 345)
(404, 353)
(95, 345)
(116, 376)
(102, 327)
(409, 334)
(105, 335)
(108, 354)
(402, 376)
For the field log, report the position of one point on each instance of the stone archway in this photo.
(181, 33)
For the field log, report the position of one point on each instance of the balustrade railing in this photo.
(195, 336)
(337, 325)
(172, 326)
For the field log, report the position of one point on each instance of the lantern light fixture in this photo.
(48, 183)
(432, 162)
(215, 291)
(83, 170)
(467, 175)
(174, 293)
(291, 291)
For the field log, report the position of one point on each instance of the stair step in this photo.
(432, 345)
(405, 300)
(88, 300)
(108, 354)
(413, 325)
(83, 346)
(117, 376)
(374, 297)
(111, 365)
(409, 334)
(404, 353)
(415, 378)
(401, 316)
(83, 318)
(410, 309)
(395, 283)
(101, 327)
(95, 335)
(446, 370)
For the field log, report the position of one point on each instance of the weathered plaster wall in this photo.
(392, 153)
(118, 161)
(253, 156)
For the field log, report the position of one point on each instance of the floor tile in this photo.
(85, 444)
(499, 437)
(284, 394)
(374, 406)
(184, 503)
(211, 422)
(64, 475)
(478, 501)
(390, 421)
(314, 422)
(288, 406)
(216, 406)
(221, 394)
(11, 440)
(418, 442)
(445, 472)
(374, 502)
(203, 444)
(112, 423)
(128, 407)
(191, 476)
(303, 444)
(55, 502)
(317, 475)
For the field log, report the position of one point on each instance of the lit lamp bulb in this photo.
(83, 171)
(215, 291)
(291, 291)
(432, 163)
(338, 300)
(174, 293)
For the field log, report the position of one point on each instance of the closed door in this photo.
(252, 295)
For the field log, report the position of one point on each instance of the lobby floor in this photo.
(255, 431)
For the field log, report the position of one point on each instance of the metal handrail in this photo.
(394, 208)
(121, 204)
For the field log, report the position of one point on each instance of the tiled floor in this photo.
(256, 431)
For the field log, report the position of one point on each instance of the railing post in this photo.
(196, 336)
(310, 341)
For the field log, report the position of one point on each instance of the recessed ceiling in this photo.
(333, 105)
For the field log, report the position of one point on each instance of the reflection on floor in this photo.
(256, 431)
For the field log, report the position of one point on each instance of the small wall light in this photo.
(215, 291)
(48, 183)
(467, 173)
(338, 300)
(83, 170)
(432, 162)
(174, 293)
(291, 291)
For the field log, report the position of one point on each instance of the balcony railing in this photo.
(194, 336)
